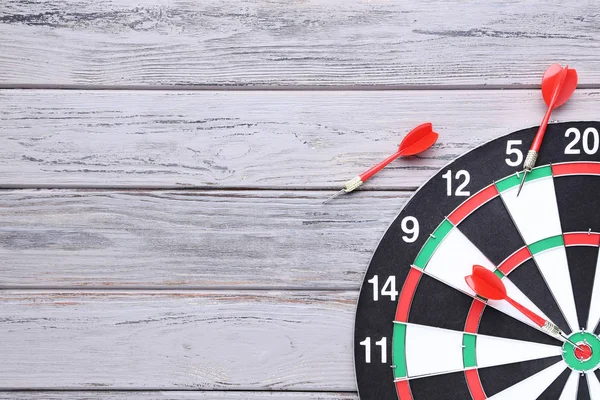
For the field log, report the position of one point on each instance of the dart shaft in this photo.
(539, 136)
(539, 321)
(376, 168)
(358, 180)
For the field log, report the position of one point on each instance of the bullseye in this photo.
(585, 353)
(587, 357)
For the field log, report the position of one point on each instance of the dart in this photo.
(558, 84)
(416, 141)
(488, 285)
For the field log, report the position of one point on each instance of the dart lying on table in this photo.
(416, 141)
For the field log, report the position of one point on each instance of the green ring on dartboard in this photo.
(582, 364)
(422, 334)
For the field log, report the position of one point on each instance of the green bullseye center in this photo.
(570, 355)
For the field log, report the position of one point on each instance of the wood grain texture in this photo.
(242, 340)
(274, 43)
(206, 239)
(298, 140)
(175, 395)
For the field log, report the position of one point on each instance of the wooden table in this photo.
(163, 164)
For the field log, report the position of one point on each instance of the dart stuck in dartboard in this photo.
(485, 286)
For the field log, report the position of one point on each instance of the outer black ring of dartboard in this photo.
(430, 205)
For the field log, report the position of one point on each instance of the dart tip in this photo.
(334, 196)
(564, 336)
(522, 182)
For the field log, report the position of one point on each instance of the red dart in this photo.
(488, 285)
(416, 141)
(558, 84)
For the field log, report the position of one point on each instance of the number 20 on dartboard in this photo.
(589, 141)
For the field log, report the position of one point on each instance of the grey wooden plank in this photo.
(177, 395)
(192, 239)
(249, 139)
(226, 340)
(315, 42)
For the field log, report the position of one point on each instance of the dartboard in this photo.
(422, 333)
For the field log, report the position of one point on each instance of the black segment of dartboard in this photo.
(577, 198)
(583, 392)
(528, 278)
(496, 379)
(430, 205)
(428, 388)
(493, 231)
(451, 306)
(554, 391)
(582, 268)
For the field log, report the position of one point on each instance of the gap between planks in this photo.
(101, 188)
(132, 394)
(289, 88)
(169, 289)
(285, 88)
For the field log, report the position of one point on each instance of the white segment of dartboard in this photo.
(569, 392)
(554, 267)
(594, 315)
(593, 385)
(532, 387)
(454, 259)
(431, 350)
(491, 351)
(534, 211)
